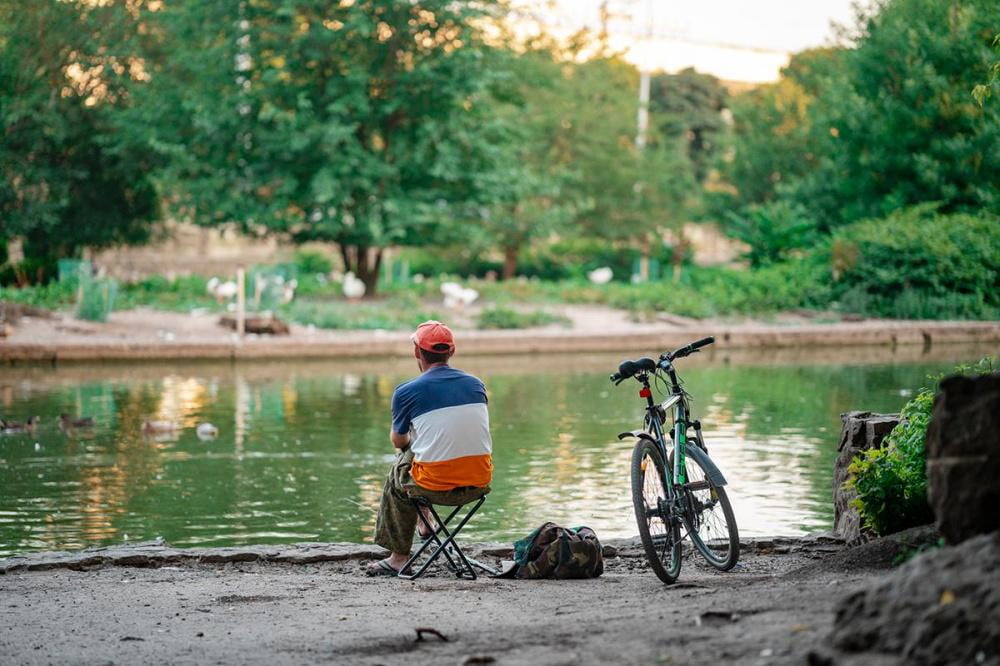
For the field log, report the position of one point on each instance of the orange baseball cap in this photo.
(431, 335)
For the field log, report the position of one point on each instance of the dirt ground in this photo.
(776, 607)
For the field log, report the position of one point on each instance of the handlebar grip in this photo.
(701, 343)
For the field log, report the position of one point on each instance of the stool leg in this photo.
(466, 571)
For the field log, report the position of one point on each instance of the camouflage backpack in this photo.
(552, 551)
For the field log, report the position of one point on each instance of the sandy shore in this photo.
(155, 335)
(311, 604)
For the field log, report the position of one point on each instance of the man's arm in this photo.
(399, 441)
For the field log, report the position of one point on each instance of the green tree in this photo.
(531, 194)
(624, 193)
(899, 126)
(570, 164)
(688, 106)
(982, 91)
(772, 140)
(358, 123)
(772, 231)
(68, 180)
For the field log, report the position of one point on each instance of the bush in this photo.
(311, 262)
(398, 313)
(772, 231)
(507, 318)
(183, 293)
(891, 482)
(919, 264)
(707, 292)
(565, 259)
(52, 295)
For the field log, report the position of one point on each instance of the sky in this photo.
(736, 40)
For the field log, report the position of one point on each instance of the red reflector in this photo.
(645, 392)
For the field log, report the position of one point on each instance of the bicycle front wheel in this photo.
(708, 517)
(660, 534)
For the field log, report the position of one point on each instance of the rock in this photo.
(942, 607)
(963, 456)
(861, 431)
(310, 553)
(258, 325)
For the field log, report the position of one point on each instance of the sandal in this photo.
(382, 568)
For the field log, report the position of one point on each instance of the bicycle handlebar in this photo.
(645, 364)
(687, 350)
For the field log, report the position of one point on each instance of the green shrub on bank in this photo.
(918, 264)
(708, 292)
(311, 262)
(508, 318)
(398, 313)
(891, 482)
(565, 259)
(182, 294)
(52, 296)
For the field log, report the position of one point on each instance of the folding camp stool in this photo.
(458, 562)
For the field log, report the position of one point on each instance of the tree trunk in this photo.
(365, 263)
(510, 255)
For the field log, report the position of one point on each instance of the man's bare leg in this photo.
(429, 517)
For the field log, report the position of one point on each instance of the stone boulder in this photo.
(861, 431)
(963, 456)
(942, 607)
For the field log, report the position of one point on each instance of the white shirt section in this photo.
(452, 432)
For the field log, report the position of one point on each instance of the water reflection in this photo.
(302, 449)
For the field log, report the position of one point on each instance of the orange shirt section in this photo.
(474, 471)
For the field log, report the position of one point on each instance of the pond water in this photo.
(303, 446)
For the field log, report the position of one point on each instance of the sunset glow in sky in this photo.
(736, 40)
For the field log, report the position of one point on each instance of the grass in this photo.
(800, 283)
(399, 312)
(702, 292)
(503, 317)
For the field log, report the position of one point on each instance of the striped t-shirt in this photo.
(444, 410)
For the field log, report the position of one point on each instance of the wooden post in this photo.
(241, 301)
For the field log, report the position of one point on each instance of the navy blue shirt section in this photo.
(439, 387)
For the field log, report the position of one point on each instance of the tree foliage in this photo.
(891, 481)
(772, 138)
(897, 126)
(687, 107)
(358, 123)
(67, 180)
(916, 263)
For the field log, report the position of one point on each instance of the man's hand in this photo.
(399, 441)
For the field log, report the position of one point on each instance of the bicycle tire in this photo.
(707, 533)
(660, 538)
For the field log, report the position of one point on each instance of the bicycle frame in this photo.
(677, 400)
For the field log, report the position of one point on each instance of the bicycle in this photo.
(692, 496)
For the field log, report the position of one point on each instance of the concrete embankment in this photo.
(159, 554)
(354, 344)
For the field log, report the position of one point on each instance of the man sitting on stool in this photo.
(441, 426)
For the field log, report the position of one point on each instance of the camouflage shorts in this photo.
(397, 517)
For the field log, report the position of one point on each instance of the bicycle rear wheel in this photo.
(708, 517)
(660, 536)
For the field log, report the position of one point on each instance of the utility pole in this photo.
(642, 129)
(603, 15)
